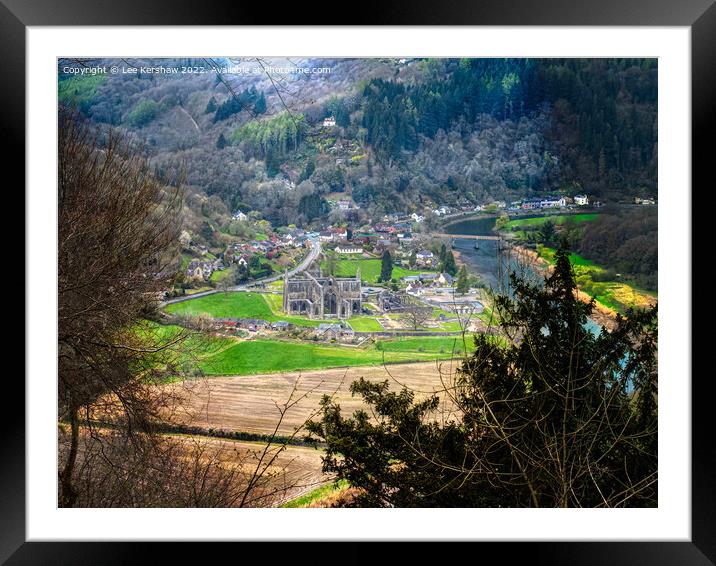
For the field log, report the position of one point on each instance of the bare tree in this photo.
(224, 284)
(117, 229)
(118, 236)
(416, 315)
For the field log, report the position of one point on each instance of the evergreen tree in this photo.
(343, 117)
(463, 285)
(548, 231)
(550, 415)
(307, 171)
(386, 266)
(449, 266)
(443, 254)
(211, 106)
(221, 141)
(260, 106)
(413, 260)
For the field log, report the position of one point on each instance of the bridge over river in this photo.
(468, 236)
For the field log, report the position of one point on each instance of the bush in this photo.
(143, 113)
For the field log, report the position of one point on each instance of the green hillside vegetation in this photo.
(601, 284)
(79, 90)
(279, 134)
(142, 113)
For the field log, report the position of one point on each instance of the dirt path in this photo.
(190, 118)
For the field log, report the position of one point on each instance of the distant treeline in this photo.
(603, 111)
(624, 241)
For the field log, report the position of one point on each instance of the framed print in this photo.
(395, 281)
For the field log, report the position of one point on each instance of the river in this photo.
(485, 261)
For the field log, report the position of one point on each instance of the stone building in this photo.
(322, 297)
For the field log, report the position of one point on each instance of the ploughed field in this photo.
(295, 470)
(249, 403)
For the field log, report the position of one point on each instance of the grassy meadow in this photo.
(239, 305)
(248, 357)
(369, 269)
(614, 294)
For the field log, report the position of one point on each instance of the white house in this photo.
(240, 216)
(348, 249)
(581, 200)
(329, 122)
(553, 202)
(417, 217)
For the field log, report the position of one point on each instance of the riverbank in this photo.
(615, 292)
(602, 314)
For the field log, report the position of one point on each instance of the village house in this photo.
(427, 277)
(339, 232)
(425, 258)
(328, 331)
(553, 202)
(531, 204)
(581, 200)
(199, 269)
(329, 122)
(348, 249)
(446, 279)
(442, 211)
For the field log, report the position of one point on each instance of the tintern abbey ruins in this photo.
(322, 297)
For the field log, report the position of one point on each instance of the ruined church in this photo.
(322, 297)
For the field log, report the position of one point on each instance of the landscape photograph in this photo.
(298, 282)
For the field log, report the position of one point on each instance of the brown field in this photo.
(220, 468)
(251, 403)
(295, 471)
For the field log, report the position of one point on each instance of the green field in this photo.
(175, 345)
(365, 324)
(268, 306)
(219, 275)
(369, 269)
(557, 219)
(614, 294)
(238, 305)
(271, 356)
(575, 259)
(436, 345)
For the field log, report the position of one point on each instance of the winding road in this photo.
(312, 255)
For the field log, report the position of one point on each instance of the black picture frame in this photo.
(699, 15)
